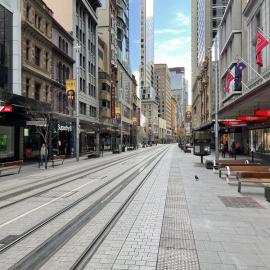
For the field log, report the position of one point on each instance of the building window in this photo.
(28, 50)
(47, 61)
(46, 93)
(64, 73)
(47, 29)
(93, 111)
(59, 72)
(37, 91)
(66, 47)
(38, 21)
(28, 10)
(27, 87)
(60, 42)
(77, 31)
(82, 108)
(67, 73)
(37, 56)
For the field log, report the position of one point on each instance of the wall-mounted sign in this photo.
(64, 128)
(70, 85)
(26, 132)
(6, 109)
(38, 123)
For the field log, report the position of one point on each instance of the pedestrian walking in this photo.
(233, 150)
(43, 155)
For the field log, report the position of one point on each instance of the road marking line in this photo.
(45, 204)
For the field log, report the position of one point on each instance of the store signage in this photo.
(64, 128)
(38, 123)
(26, 132)
(6, 109)
(113, 102)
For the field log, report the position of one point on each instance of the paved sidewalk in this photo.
(178, 223)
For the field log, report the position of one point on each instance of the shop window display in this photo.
(6, 142)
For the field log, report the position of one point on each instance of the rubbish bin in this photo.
(267, 193)
(123, 148)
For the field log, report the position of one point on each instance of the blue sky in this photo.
(172, 33)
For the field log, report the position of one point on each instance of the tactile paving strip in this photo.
(177, 248)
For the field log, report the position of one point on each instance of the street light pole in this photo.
(121, 121)
(77, 49)
(216, 104)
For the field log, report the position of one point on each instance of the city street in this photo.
(141, 209)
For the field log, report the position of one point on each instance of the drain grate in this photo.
(240, 202)
(177, 248)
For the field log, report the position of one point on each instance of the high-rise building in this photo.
(163, 88)
(179, 89)
(80, 18)
(147, 91)
(10, 46)
(147, 50)
(206, 16)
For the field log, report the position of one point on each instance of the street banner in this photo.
(70, 91)
(134, 120)
(113, 102)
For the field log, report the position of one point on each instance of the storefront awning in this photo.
(257, 98)
(205, 126)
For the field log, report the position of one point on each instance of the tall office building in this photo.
(80, 18)
(179, 90)
(148, 93)
(163, 88)
(206, 16)
(147, 50)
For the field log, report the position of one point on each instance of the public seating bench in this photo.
(253, 178)
(93, 154)
(251, 167)
(57, 159)
(221, 164)
(6, 166)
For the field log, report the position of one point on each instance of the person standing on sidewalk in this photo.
(43, 155)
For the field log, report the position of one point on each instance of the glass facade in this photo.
(261, 141)
(5, 49)
(6, 142)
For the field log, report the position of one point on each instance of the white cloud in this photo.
(169, 31)
(175, 53)
(183, 19)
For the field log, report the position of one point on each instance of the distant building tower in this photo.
(147, 50)
(179, 92)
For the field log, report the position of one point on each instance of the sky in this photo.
(172, 34)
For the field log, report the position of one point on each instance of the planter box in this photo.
(267, 193)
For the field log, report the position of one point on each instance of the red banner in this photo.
(113, 102)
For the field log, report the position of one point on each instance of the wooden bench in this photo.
(56, 159)
(6, 166)
(251, 167)
(93, 154)
(220, 164)
(253, 178)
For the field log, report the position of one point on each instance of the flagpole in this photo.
(245, 85)
(252, 69)
(267, 36)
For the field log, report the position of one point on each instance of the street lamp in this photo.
(77, 49)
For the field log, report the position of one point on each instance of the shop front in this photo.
(63, 138)
(9, 143)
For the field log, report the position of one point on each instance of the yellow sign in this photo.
(70, 85)
(134, 120)
(117, 110)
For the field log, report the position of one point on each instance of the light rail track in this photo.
(83, 174)
(40, 255)
(68, 207)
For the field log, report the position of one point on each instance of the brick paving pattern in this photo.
(177, 248)
(239, 202)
